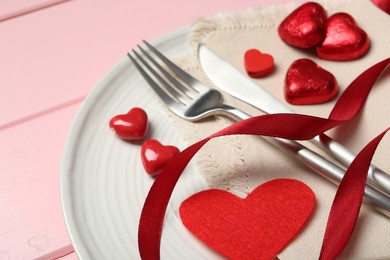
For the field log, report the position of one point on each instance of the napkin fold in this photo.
(241, 163)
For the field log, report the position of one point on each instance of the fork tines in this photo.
(159, 77)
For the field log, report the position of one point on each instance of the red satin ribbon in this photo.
(347, 201)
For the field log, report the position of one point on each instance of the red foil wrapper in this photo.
(304, 27)
(344, 40)
(307, 83)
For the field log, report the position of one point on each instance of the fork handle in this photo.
(321, 165)
(375, 175)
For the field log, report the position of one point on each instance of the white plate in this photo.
(103, 183)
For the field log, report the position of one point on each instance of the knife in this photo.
(228, 78)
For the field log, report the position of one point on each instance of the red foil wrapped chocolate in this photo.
(344, 40)
(307, 83)
(305, 27)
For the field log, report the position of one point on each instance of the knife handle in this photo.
(372, 196)
(375, 176)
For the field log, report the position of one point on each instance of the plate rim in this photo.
(179, 36)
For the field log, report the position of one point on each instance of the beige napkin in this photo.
(241, 163)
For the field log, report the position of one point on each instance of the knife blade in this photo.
(229, 79)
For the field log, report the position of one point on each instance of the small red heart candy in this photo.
(305, 26)
(155, 156)
(307, 83)
(344, 40)
(256, 227)
(130, 126)
(258, 64)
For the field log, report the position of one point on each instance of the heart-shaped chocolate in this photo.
(307, 83)
(305, 26)
(257, 227)
(130, 126)
(258, 64)
(155, 156)
(344, 40)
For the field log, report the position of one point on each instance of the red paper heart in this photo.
(304, 27)
(307, 83)
(344, 40)
(258, 64)
(257, 227)
(130, 126)
(155, 156)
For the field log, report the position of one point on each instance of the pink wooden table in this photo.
(49, 60)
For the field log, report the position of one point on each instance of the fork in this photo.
(192, 100)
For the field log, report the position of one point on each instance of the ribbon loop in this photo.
(349, 195)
